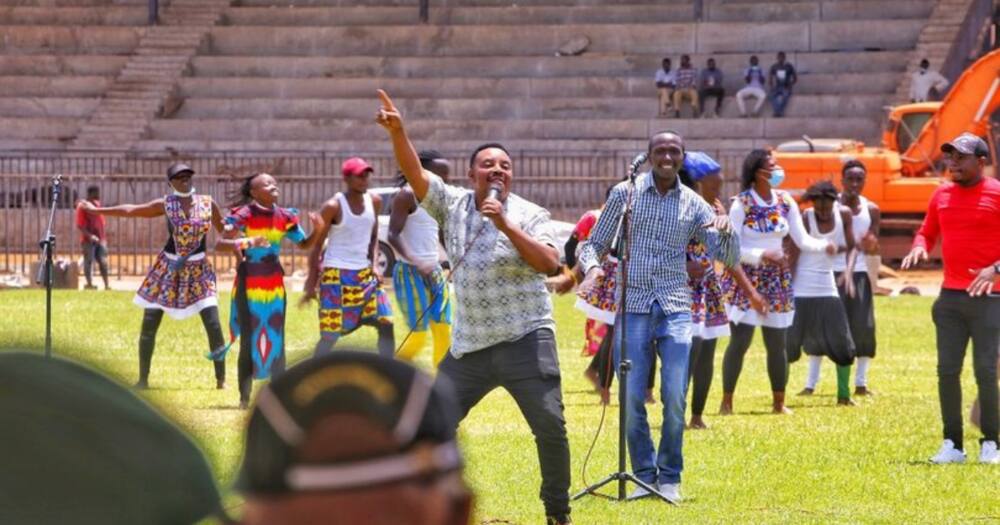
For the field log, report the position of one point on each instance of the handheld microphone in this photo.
(494, 193)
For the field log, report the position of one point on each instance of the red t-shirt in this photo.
(968, 222)
(91, 223)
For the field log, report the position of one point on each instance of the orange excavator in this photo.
(906, 169)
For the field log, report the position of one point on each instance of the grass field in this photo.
(824, 464)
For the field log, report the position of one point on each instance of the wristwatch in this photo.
(996, 268)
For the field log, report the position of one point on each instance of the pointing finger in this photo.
(386, 101)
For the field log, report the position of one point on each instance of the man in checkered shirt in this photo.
(666, 215)
(504, 334)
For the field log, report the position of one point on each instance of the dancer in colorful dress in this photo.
(763, 216)
(820, 326)
(255, 227)
(865, 221)
(350, 287)
(708, 313)
(419, 282)
(181, 281)
(599, 307)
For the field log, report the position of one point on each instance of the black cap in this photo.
(419, 413)
(79, 448)
(177, 168)
(967, 144)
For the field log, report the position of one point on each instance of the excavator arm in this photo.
(966, 108)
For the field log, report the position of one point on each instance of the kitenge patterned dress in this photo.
(181, 281)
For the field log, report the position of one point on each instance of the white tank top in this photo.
(814, 270)
(420, 234)
(348, 242)
(859, 227)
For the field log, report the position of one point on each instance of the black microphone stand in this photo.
(48, 246)
(622, 476)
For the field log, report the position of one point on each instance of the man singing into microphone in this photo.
(666, 215)
(501, 247)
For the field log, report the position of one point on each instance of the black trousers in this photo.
(151, 319)
(528, 369)
(739, 343)
(959, 318)
(717, 93)
(700, 370)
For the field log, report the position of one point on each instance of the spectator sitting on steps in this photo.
(923, 80)
(686, 89)
(711, 87)
(754, 88)
(666, 80)
(780, 81)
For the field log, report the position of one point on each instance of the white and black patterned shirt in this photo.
(661, 227)
(499, 297)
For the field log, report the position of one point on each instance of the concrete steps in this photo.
(590, 64)
(828, 106)
(147, 81)
(503, 88)
(544, 40)
(441, 130)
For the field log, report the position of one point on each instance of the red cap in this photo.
(355, 166)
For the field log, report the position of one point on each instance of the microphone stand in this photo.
(622, 476)
(48, 246)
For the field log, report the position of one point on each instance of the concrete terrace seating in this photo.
(302, 74)
(57, 58)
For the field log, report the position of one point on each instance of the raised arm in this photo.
(153, 208)
(406, 155)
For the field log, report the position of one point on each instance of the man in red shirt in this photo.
(965, 214)
(93, 242)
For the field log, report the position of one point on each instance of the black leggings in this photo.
(700, 370)
(739, 343)
(151, 324)
(386, 341)
(603, 364)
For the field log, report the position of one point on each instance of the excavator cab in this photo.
(905, 122)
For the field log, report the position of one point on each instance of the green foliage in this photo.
(823, 464)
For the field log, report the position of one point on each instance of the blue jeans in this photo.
(670, 336)
(779, 99)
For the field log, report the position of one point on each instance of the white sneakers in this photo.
(988, 454)
(671, 491)
(948, 454)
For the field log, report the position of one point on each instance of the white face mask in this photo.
(188, 194)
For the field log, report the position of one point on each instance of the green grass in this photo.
(821, 465)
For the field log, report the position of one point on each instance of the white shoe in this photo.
(638, 493)
(988, 453)
(671, 491)
(949, 454)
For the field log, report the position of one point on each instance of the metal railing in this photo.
(567, 183)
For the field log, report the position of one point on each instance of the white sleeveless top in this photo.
(420, 234)
(859, 227)
(814, 270)
(348, 242)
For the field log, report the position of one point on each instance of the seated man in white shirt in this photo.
(754, 88)
(923, 80)
(666, 80)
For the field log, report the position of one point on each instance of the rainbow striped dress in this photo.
(259, 291)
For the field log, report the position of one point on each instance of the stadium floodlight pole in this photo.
(48, 246)
(622, 246)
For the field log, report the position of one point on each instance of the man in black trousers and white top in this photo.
(502, 248)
